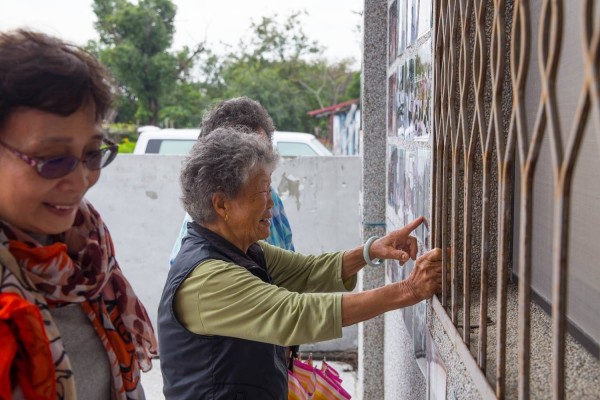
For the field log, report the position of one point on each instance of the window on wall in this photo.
(516, 116)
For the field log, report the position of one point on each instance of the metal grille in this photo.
(480, 125)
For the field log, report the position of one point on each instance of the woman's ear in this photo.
(221, 204)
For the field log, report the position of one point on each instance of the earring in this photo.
(226, 217)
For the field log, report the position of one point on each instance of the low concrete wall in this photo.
(138, 197)
(320, 195)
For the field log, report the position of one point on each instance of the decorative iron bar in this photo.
(478, 131)
(504, 154)
(471, 126)
(464, 138)
(521, 34)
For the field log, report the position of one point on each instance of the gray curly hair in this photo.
(221, 162)
(239, 111)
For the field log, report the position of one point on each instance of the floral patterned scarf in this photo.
(81, 268)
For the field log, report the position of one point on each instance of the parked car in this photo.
(295, 144)
(154, 140)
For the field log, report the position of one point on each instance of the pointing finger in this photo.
(411, 226)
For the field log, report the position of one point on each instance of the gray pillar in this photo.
(373, 104)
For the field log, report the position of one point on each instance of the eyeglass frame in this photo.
(38, 163)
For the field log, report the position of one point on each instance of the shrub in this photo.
(126, 146)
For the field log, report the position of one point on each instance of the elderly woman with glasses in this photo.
(70, 324)
(231, 300)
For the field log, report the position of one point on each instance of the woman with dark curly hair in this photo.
(70, 324)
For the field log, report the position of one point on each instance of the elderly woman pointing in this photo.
(231, 301)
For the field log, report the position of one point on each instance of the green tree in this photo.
(285, 42)
(284, 100)
(353, 89)
(134, 43)
(184, 105)
(279, 66)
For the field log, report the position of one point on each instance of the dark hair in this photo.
(45, 73)
(239, 111)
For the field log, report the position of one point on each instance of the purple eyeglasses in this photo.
(57, 167)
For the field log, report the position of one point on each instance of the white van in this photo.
(296, 144)
(154, 140)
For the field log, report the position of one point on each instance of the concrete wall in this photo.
(138, 197)
(320, 195)
(450, 370)
(370, 343)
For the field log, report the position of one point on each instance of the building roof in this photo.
(333, 109)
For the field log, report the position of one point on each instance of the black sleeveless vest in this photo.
(215, 367)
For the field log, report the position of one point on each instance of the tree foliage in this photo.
(277, 65)
(134, 43)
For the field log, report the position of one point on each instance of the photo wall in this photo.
(410, 79)
(408, 159)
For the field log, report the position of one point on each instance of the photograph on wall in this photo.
(421, 170)
(393, 270)
(408, 312)
(392, 31)
(409, 82)
(416, 203)
(395, 202)
(423, 18)
(395, 186)
(391, 105)
(422, 85)
(423, 198)
(409, 190)
(409, 196)
(410, 185)
(410, 213)
(411, 21)
(392, 160)
(402, 105)
(401, 26)
(399, 187)
(417, 193)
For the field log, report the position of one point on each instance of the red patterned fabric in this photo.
(80, 267)
(25, 357)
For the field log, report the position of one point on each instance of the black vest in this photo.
(215, 367)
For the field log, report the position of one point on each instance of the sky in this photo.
(332, 22)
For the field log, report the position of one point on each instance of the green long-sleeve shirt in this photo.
(221, 298)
